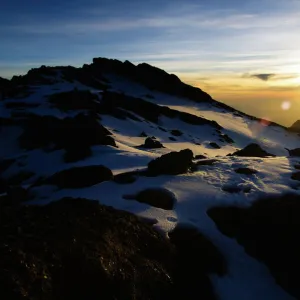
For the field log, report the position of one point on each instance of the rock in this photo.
(126, 178)
(172, 139)
(20, 177)
(5, 163)
(79, 177)
(297, 167)
(214, 145)
(227, 138)
(17, 194)
(157, 197)
(236, 189)
(294, 152)
(196, 254)
(79, 249)
(206, 162)
(162, 129)
(268, 230)
(150, 143)
(176, 132)
(246, 171)
(199, 156)
(143, 134)
(295, 127)
(252, 150)
(172, 163)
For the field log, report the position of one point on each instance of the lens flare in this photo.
(286, 105)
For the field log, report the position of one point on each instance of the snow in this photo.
(195, 192)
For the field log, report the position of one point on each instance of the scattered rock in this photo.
(79, 177)
(269, 231)
(172, 139)
(126, 178)
(214, 145)
(246, 171)
(252, 150)
(199, 156)
(176, 132)
(157, 197)
(236, 189)
(172, 163)
(206, 162)
(227, 138)
(143, 134)
(151, 143)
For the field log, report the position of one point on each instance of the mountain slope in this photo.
(124, 116)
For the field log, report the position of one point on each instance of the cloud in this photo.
(270, 76)
(264, 77)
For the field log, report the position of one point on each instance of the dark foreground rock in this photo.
(191, 245)
(79, 177)
(269, 231)
(78, 249)
(293, 152)
(172, 163)
(252, 150)
(157, 197)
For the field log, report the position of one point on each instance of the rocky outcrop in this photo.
(172, 163)
(295, 127)
(79, 177)
(252, 150)
(268, 231)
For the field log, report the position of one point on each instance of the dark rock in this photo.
(126, 178)
(78, 249)
(246, 171)
(20, 177)
(176, 132)
(157, 197)
(162, 129)
(5, 164)
(3, 185)
(199, 156)
(214, 145)
(206, 162)
(172, 163)
(295, 127)
(252, 150)
(74, 100)
(294, 152)
(227, 138)
(17, 194)
(172, 139)
(196, 254)
(143, 134)
(235, 189)
(150, 143)
(81, 130)
(269, 231)
(297, 167)
(79, 177)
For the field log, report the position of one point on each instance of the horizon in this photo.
(243, 54)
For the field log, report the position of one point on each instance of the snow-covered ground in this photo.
(195, 192)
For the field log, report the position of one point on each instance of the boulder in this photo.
(252, 150)
(151, 143)
(157, 197)
(214, 145)
(79, 177)
(176, 132)
(172, 163)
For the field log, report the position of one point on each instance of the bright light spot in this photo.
(286, 105)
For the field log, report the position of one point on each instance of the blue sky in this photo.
(218, 45)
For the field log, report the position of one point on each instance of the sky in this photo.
(243, 53)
